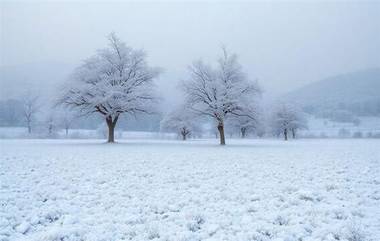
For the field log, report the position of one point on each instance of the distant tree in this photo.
(344, 133)
(181, 121)
(287, 118)
(249, 121)
(116, 80)
(357, 134)
(219, 92)
(31, 107)
(51, 124)
(66, 117)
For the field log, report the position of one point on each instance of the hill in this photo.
(357, 93)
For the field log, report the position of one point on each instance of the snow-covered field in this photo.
(170, 190)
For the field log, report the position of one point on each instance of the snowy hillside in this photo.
(169, 190)
(352, 87)
(357, 92)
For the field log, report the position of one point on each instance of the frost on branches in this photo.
(180, 121)
(219, 92)
(31, 106)
(287, 118)
(114, 81)
(251, 122)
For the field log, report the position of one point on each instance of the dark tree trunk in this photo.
(221, 134)
(29, 129)
(184, 132)
(111, 123)
(285, 134)
(243, 132)
(294, 133)
(67, 131)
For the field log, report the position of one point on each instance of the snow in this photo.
(196, 190)
(327, 128)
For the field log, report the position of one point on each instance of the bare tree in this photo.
(248, 122)
(66, 117)
(287, 118)
(180, 121)
(220, 92)
(51, 124)
(31, 107)
(116, 80)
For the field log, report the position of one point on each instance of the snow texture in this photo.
(171, 190)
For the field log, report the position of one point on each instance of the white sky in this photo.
(283, 44)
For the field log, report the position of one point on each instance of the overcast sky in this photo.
(283, 44)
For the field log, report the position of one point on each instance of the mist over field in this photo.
(286, 46)
(189, 120)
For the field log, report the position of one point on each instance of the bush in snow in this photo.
(195, 223)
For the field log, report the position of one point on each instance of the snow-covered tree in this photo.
(250, 122)
(51, 124)
(180, 121)
(49, 121)
(66, 117)
(287, 118)
(116, 80)
(31, 106)
(219, 92)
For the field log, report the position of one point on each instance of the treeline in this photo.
(345, 112)
(118, 80)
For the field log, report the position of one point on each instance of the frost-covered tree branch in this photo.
(251, 119)
(31, 107)
(114, 81)
(181, 121)
(287, 118)
(219, 92)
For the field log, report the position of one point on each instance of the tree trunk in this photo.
(285, 134)
(294, 133)
(29, 129)
(111, 123)
(184, 133)
(67, 131)
(221, 134)
(243, 132)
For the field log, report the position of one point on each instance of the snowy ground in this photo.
(170, 190)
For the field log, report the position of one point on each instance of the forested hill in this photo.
(358, 92)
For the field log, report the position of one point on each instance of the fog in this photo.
(284, 45)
